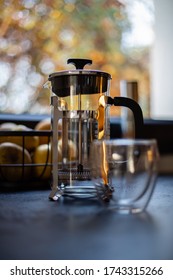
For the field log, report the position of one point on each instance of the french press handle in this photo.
(135, 108)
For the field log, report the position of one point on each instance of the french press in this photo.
(80, 100)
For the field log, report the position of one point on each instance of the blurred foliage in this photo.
(37, 37)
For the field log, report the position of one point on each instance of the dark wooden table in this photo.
(32, 227)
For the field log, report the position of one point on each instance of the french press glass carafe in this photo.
(80, 101)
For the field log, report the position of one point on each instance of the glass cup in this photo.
(124, 172)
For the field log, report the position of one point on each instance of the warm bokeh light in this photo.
(37, 38)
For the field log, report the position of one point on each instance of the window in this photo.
(162, 66)
(37, 38)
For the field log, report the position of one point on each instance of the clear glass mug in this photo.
(124, 172)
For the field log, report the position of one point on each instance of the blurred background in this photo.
(37, 37)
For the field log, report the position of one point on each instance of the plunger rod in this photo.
(80, 166)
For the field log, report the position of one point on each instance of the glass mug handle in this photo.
(135, 108)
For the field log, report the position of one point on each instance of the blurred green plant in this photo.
(37, 37)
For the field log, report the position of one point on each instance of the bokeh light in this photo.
(37, 38)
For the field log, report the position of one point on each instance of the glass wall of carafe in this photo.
(79, 107)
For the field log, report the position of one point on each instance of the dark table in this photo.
(32, 227)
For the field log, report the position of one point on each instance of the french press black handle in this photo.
(135, 108)
(79, 63)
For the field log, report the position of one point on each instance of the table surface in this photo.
(33, 227)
